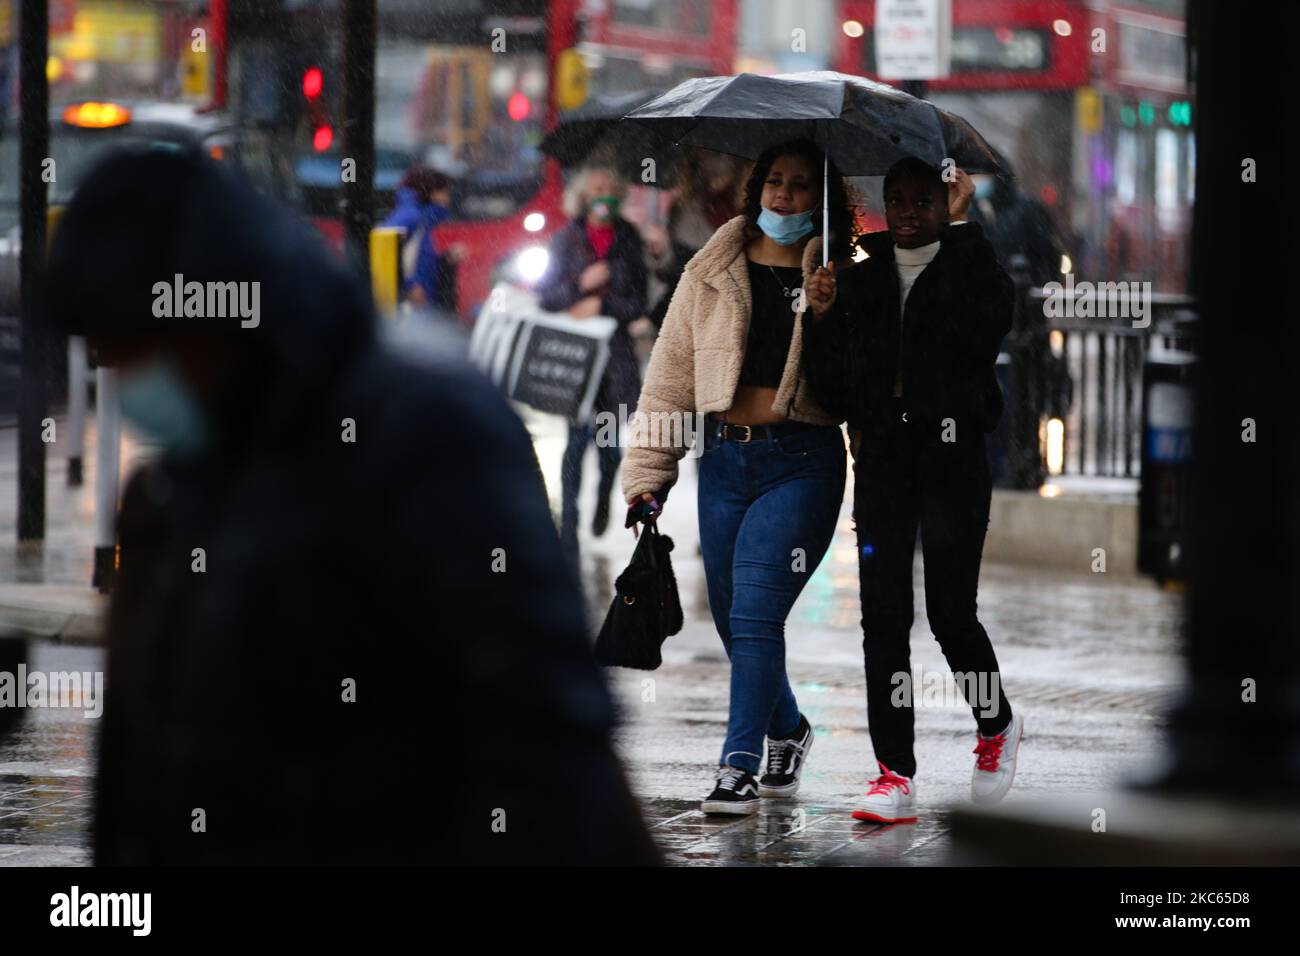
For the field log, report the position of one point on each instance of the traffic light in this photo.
(517, 107)
(313, 81)
(1180, 113)
(313, 85)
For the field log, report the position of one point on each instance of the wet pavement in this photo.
(1090, 661)
(46, 771)
(67, 554)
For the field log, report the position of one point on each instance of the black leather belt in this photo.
(747, 433)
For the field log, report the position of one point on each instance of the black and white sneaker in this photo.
(736, 793)
(785, 760)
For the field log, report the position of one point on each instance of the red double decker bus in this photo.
(472, 87)
(1015, 68)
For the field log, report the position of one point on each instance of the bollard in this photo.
(13, 656)
(1165, 507)
(108, 453)
(386, 268)
(78, 387)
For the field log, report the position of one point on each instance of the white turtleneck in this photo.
(909, 264)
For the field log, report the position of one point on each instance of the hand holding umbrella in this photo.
(819, 291)
(960, 193)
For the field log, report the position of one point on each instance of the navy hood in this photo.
(143, 217)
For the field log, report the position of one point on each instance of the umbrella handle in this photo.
(826, 205)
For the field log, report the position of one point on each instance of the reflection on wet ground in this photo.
(46, 771)
(1090, 661)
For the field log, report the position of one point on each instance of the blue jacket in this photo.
(415, 216)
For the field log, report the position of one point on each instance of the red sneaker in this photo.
(891, 799)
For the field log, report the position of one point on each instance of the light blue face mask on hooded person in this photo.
(785, 230)
(156, 398)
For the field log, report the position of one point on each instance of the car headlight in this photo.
(530, 263)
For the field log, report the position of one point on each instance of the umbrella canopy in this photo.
(593, 132)
(864, 126)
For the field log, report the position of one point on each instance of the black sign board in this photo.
(556, 370)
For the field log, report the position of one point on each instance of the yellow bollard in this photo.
(386, 267)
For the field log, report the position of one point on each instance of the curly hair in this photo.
(841, 215)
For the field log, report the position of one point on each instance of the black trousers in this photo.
(907, 476)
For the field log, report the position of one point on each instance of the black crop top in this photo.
(771, 323)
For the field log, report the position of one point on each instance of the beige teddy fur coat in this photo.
(695, 365)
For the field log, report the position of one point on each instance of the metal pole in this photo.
(34, 140)
(217, 19)
(108, 455)
(357, 203)
(826, 207)
(76, 425)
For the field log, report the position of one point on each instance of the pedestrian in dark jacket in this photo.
(342, 631)
(597, 267)
(905, 350)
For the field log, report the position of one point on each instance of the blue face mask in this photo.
(983, 188)
(786, 230)
(157, 399)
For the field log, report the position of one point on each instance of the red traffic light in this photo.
(518, 107)
(322, 138)
(313, 81)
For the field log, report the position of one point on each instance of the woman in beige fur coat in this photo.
(772, 470)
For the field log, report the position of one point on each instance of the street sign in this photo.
(913, 39)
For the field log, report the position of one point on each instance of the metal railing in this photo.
(1076, 402)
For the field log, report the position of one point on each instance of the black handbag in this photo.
(646, 608)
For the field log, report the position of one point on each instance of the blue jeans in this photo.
(768, 510)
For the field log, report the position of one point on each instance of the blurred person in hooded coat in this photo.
(341, 631)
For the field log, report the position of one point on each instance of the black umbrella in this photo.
(863, 125)
(593, 131)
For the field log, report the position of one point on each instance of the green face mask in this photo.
(157, 400)
(605, 208)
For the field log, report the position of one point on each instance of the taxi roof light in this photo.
(92, 115)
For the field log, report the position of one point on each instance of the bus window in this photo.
(477, 115)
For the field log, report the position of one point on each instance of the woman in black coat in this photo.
(905, 349)
(597, 267)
